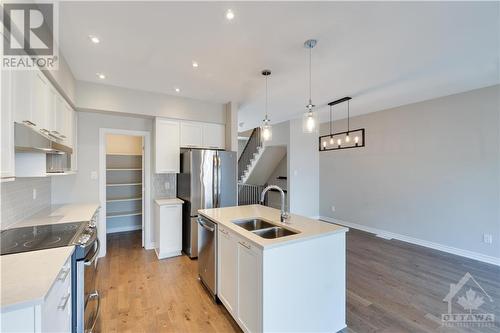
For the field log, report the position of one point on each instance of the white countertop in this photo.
(27, 277)
(307, 228)
(172, 201)
(59, 214)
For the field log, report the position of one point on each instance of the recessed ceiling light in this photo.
(229, 14)
(94, 39)
(101, 76)
(177, 90)
(195, 64)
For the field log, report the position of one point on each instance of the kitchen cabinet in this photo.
(191, 134)
(249, 287)
(21, 97)
(52, 315)
(168, 228)
(167, 146)
(64, 124)
(7, 127)
(214, 136)
(41, 102)
(239, 279)
(227, 283)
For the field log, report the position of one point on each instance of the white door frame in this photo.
(146, 219)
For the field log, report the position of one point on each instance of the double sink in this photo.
(264, 229)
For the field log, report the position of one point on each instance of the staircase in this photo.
(258, 161)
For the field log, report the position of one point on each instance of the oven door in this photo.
(89, 296)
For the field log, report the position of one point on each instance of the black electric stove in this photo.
(39, 237)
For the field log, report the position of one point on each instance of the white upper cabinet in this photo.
(167, 146)
(7, 130)
(41, 100)
(214, 136)
(191, 134)
(22, 84)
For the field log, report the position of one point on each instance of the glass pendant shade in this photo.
(266, 130)
(309, 123)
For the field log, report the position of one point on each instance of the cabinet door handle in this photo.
(64, 302)
(64, 273)
(245, 245)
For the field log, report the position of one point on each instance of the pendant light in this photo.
(266, 128)
(309, 121)
(352, 138)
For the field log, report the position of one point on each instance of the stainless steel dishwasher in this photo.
(207, 254)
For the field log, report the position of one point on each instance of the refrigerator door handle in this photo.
(214, 183)
(219, 170)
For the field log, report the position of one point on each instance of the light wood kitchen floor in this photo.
(392, 287)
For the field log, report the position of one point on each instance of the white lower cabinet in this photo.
(52, 315)
(227, 248)
(168, 230)
(249, 287)
(240, 279)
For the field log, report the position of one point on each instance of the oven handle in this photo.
(96, 295)
(96, 253)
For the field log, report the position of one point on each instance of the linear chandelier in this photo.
(342, 140)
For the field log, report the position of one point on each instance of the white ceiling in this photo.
(382, 54)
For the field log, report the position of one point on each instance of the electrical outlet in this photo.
(34, 194)
(167, 186)
(93, 175)
(333, 208)
(488, 238)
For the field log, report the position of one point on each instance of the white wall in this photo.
(81, 188)
(302, 166)
(98, 97)
(303, 179)
(430, 171)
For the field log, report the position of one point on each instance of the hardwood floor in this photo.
(392, 287)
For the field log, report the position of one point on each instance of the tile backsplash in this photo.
(164, 185)
(17, 201)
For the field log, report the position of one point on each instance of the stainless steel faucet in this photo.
(284, 214)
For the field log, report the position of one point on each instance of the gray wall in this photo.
(17, 201)
(80, 188)
(429, 170)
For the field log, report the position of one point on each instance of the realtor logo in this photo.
(470, 296)
(29, 31)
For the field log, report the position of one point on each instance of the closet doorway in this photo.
(124, 184)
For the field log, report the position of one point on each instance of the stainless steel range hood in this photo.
(27, 139)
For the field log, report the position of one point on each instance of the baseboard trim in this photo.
(436, 246)
(123, 229)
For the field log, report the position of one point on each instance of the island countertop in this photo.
(307, 228)
(28, 276)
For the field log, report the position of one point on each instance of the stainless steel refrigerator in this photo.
(207, 179)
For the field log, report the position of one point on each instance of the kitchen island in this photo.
(273, 276)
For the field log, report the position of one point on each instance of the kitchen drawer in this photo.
(56, 310)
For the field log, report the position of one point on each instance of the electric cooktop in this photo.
(38, 237)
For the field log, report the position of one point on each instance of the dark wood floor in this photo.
(392, 287)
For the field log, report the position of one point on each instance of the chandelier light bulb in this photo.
(356, 139)
(347, 138)
(339, 142)
(324, 144)
(331, 140)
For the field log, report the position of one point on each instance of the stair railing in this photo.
(249, 194)
(253, 143)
